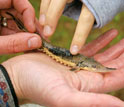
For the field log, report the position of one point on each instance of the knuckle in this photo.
(12, 46)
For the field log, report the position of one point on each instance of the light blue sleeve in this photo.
(103, 10)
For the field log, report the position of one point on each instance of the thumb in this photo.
(19, 42)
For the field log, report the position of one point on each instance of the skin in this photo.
(50, 12)
(46, 82)
(13, 41)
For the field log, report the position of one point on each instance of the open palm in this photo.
(39, 79)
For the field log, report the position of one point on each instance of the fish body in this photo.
(76, 62)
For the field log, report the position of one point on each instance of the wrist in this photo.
(13, 75)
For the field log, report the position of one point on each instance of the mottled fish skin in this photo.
(81, 62)
(63, 56)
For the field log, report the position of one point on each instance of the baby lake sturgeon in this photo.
(63, 56)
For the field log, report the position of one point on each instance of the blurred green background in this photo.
(65, 30)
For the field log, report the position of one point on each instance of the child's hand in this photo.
(50, 12)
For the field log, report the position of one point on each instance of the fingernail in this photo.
(33, 42)
(74, 49)
(47, 30)
(42, 19)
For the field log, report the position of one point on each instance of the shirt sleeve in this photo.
(103, 10)
(6, 93)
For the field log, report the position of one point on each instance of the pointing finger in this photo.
(43, 10)
(84, 26)
(53, 15)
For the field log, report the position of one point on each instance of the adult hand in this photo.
(50, 12)
(44, 81)
(18, 42)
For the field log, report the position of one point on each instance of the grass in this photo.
(65, 30)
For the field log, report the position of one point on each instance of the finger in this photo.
(25, 8)
(111, 53)
(4, 4)
(116, 63)
(113, 81)
(93, 47)
(39, 28)
(84, 26)
(19, 42)
(79, 99)
(53, 15)
(105, 83)
(43, 10)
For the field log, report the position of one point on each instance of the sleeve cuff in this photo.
(73, 9)
(103, 11)
(7, 94)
